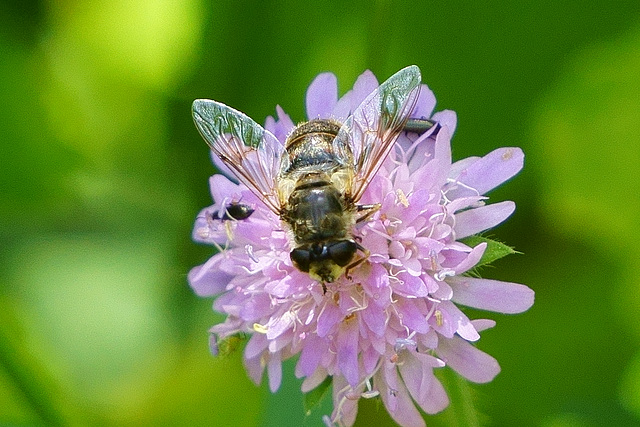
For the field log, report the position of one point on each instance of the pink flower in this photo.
(382, 331)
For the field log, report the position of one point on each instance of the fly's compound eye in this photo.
(342, 252)
(301, 258)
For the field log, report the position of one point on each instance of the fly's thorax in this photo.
(310, 158)
(317, 211)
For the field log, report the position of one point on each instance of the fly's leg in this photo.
(365, 211)
(358, 261)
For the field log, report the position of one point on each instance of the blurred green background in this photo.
(102, 173)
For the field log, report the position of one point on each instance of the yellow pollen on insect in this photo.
(402, 198)
(349, 317)
(260, 328)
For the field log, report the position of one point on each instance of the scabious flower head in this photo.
(383, 330)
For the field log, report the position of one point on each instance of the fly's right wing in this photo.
(368, 135)
(251, 152)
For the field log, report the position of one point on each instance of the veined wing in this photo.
(251, 152)
(368, 135)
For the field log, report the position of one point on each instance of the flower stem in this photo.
(461, 411)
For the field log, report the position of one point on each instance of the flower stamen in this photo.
(261, 329)
(402, 198)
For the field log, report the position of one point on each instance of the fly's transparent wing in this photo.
(368, 135)
(251, 152)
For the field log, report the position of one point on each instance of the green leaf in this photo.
(495, 250)
(315, 396)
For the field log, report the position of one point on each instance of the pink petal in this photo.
(443, 147)
(396, 249)
(493, 169)
(411, 314)
(473, 221)
(411, 286)
(227, 303)
(370, 358)
(256, 345)
(224, 169)
(492, 295)
(425, 104)
(452, 321)
(396, 398)
(442, 290)
(344, 408)
(364, 85)
(347, 351)
(255, 308)
(285, 124)
(270, 124)
(483, 324)
(467, 360)
(312, 351)
(254, 369)
(471, 260)
(207, 280)
(433, 175)
(274, 369)
(460, 165)
(376, 285)
(312, 381)
(464, 202)
(222, 188)
(328, 318)
(446, 118)
(207, 231)
(281, 126)
(426, 390)
(342, 110)
(279, 324)
(413, 266)
(374, 318)
(462, 324)
(213, 345)
(322, 96)
(282, 288)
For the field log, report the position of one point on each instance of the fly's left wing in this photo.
(251, 152)
(368, 135)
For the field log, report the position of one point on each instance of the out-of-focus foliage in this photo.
(590, 128)
(102, 173)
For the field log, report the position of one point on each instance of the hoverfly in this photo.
(315, 180)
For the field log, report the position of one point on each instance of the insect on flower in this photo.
(314, 181)
(234, 211)
(365, 203)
